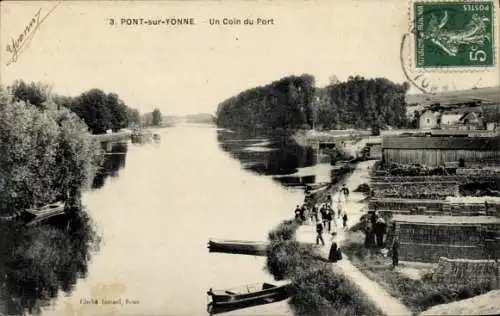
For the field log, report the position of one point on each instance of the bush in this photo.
(285, 231)
(47, 155)
(363, 188)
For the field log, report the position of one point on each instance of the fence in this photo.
(465, 272)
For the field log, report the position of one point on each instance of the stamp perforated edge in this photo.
(410, 45)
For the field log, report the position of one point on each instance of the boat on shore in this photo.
(37, 215)
(246, 296)
(33, 216)
(238, 246)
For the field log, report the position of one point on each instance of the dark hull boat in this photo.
(34, 216)
(246, 296)
(238, 247)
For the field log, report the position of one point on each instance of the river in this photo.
(159, 203)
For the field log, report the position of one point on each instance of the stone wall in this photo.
(465, 272)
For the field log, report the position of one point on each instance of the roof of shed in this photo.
(427, 142)
(459, 220)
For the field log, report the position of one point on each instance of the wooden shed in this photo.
(436, 151)
(427, 238)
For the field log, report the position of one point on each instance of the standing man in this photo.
(395, 252)
(319, 236)
(324, 215)
(329, 200)
(345, 190)
(314, 214)
(297, 212)
(303, 211)
(331, 211)
(380, 229)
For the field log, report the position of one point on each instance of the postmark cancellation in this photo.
(453, 35)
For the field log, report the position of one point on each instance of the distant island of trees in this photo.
(202, 118)
(294, 102)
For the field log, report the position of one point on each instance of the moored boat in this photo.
(247, 295)
(237, 246)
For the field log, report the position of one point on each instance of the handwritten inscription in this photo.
(19, 43)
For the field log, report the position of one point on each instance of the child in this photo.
(344, 219)
(319, 236)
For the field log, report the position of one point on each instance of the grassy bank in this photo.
(418, 294)
(319, 289)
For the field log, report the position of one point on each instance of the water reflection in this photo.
(38, 262)
(114, 160)
(274, 155)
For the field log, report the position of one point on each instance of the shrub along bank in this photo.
(318, 289)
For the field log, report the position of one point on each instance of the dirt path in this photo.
(354, 209)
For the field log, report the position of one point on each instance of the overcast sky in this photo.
(190, 69)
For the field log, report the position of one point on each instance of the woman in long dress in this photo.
(332, 255)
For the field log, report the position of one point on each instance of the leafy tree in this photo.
(101, 111)
(156, 120)
(134, 117)
(34, 93)
(118, 111)
(46, 155)
(91, 106)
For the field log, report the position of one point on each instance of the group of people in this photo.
(324, 213)
(375, 228)
(328, 214)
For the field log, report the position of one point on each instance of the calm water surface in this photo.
(159, 204)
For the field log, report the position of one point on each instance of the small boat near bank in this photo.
(246, 296)
(33, 216)
(238, 247)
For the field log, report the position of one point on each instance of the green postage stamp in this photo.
(453, 34)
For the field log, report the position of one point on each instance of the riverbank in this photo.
(410, 282)
(320, 287)
(354, 209)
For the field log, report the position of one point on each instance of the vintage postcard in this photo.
(294, 158)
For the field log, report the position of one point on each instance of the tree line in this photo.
(294, 102)
(99, 110)
(47, 154)
(286, 103)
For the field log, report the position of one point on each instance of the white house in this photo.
(428, 120)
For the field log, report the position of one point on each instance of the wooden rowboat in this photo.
(238, 246)
(247, 295)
